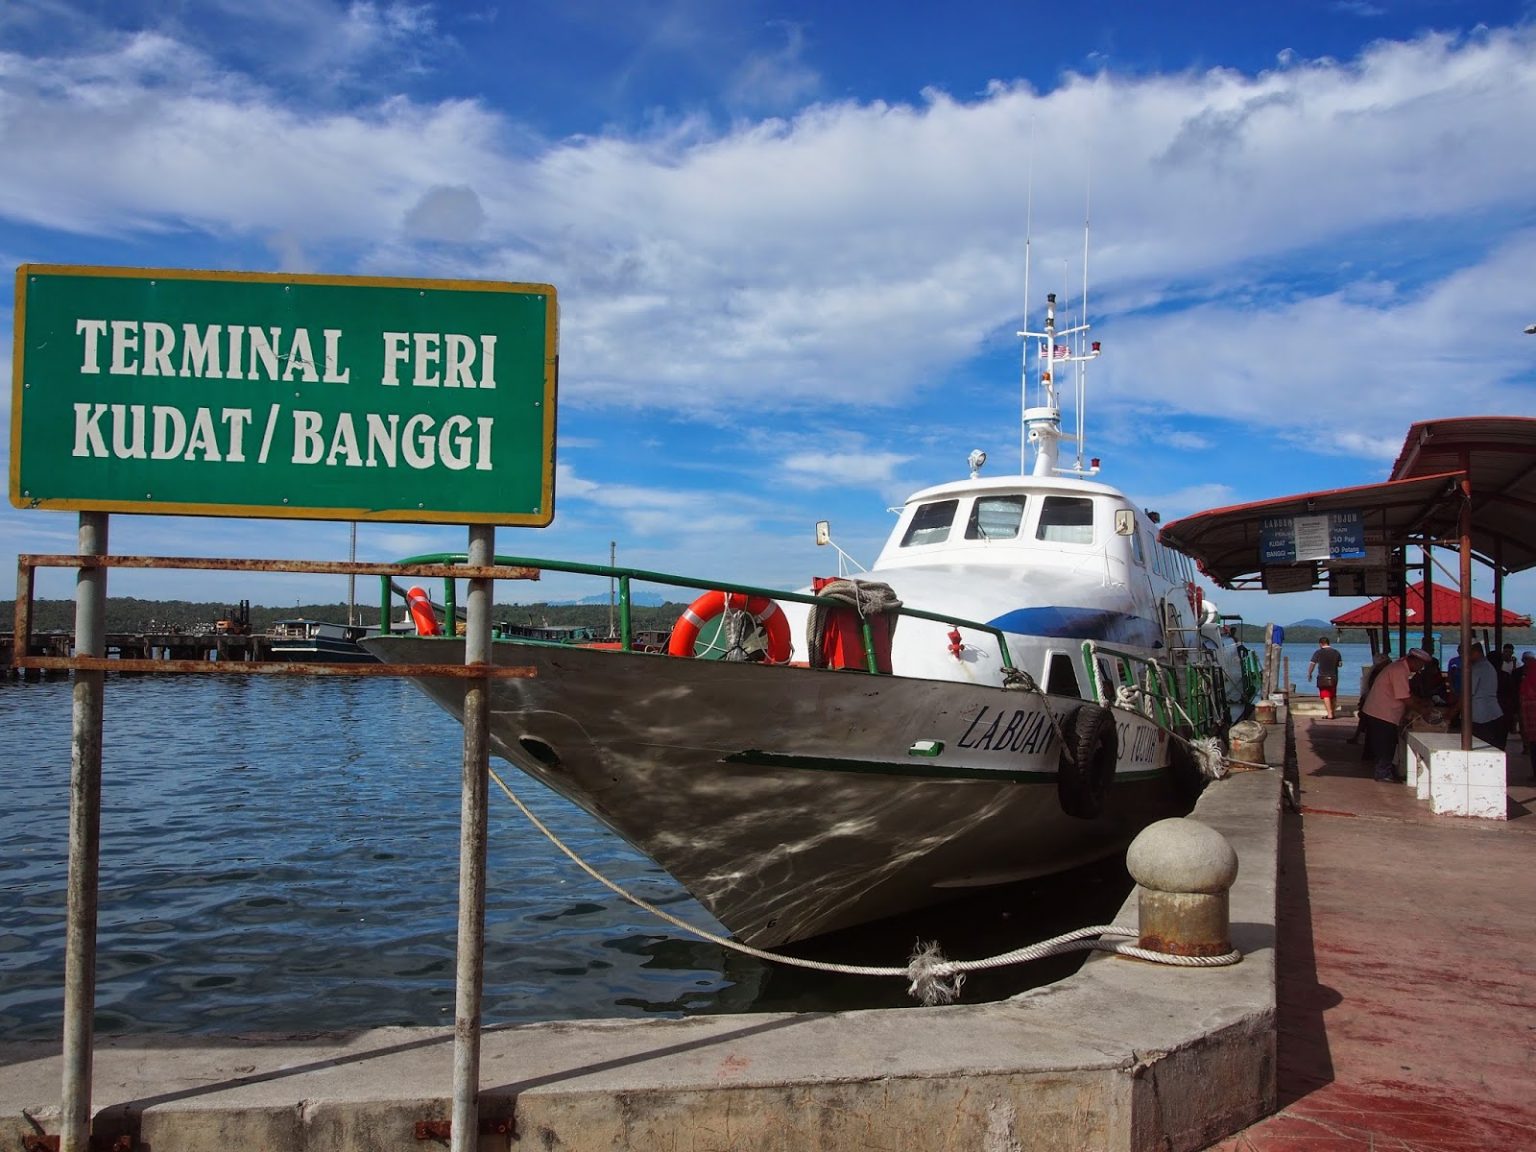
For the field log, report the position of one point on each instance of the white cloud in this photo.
(848, 254)
(1311, 256)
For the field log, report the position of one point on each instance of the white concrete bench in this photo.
(1456, 782)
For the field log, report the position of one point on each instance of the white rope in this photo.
(933, 979)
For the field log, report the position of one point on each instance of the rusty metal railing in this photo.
(28, 564)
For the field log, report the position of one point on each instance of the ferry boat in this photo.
(1021, 681)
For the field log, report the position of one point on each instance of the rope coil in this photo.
(866, 597)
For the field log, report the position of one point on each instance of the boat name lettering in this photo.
(253, 352)
(1142, 742)
(1018, 730)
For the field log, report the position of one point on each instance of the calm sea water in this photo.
(283, 855)
(1356, 657)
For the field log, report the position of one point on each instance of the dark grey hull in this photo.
(793, 802)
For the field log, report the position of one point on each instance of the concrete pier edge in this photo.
(1122, 1055)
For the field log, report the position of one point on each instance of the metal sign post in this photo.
(284, 397)
(470, 972)
(84, 843)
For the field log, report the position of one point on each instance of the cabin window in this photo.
(995, 518)
(930, 523)
(1138, 550)
(1061, 677)
(1066, 520)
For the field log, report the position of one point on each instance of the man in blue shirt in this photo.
(1483, 699)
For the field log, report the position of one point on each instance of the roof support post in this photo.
(1465, 485)
(1427, 642)
(1498, 599)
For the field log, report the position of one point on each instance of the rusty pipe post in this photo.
(470, 974)
(84, 843)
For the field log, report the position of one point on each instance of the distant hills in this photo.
(649, 599)
(648, 611)
(131, 615)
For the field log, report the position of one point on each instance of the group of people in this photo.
(1500, 697)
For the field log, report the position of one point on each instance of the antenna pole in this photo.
(1082, 369)
(1029, 217)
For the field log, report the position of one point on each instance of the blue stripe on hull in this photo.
(1080, 624)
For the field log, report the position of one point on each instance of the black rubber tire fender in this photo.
(1087, 763)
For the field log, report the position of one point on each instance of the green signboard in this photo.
(311, 397)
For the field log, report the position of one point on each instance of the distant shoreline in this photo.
(134, 614)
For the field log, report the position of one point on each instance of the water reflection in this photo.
(283, 855)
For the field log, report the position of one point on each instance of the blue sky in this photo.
(789, 239)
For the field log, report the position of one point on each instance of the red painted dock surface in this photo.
(1406, 964)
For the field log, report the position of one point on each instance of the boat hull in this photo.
(828, 800)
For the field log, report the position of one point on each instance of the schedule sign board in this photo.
(1329, 536)
(309, 397)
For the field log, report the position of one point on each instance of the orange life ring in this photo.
(421, 612)
(765, 611)
(1196, 600)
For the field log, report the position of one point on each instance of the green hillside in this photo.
(128, 614)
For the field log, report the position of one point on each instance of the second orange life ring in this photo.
(765, 611)
(420, 605)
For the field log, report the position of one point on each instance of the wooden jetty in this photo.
(166, 646)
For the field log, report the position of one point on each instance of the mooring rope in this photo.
(932, 978)
(1207, 749)
(866, 597)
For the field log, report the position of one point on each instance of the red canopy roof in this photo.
(1447, 605)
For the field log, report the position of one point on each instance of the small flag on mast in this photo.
(1060, 352)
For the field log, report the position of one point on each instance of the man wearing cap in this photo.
(1389, 700)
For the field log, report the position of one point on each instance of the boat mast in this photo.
(1081, 367)
(1029, 215)
(1042, 422)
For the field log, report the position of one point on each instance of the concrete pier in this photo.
(1406, 998)
(1122, 1055)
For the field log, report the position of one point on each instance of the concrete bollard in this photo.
(1247, 742)
(1185, 870)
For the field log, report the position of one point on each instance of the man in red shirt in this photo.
(1390, 699)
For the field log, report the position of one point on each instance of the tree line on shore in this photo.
(127, 614)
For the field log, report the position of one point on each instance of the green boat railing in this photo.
(624, 576)
(1187, 696)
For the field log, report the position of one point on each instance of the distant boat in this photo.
(1038, 706)
(311, 641)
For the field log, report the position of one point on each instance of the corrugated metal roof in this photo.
(1447, 605)
(1419, 500)
(1225, 541)
(1498, 454)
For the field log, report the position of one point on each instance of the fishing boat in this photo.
(1018, 684)
(302, 640)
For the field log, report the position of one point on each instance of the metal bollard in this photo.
(1185, 870)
